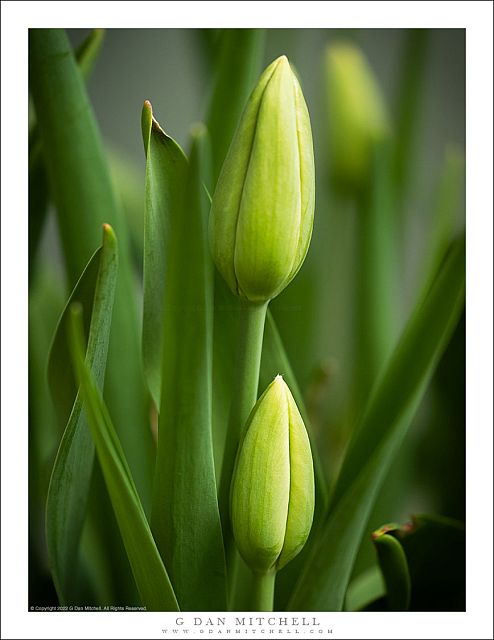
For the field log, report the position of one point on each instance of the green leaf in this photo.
(149, 572)
(63, 387)
(379, 434)
(88, 51)
(185, 517)
(394, 567)
(69, 484)
(82, 192)
(166, 174)
(73, 152)
(86, 56)
(239, 60)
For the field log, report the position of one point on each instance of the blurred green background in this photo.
(317, 313)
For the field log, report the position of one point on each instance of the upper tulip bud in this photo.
(272, 492)
(263, 206)
(357, 113)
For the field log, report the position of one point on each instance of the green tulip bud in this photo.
(263, 206)
(272, 491)
(357, 116)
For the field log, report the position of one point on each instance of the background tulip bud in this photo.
(263, 206)
(272, 493)
(357, 115)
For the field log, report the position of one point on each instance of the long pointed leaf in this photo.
(185, 517)
(381, 430)
(69, 484)
(166, 171)
(149, 572)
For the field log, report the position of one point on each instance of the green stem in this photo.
(263, 591)
(244, 398)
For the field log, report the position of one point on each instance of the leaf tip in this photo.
(149, 123)
(146, 123)
(386, 528)
(109, 234)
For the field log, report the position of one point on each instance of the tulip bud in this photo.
(357, 116)
(272, 491)
(263, 206)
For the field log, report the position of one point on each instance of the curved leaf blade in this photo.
(380, 432)
(166, 173)
(71, 475)
(185, 517)
(147, 567)
(394, 568)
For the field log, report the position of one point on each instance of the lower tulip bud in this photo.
(272, 492)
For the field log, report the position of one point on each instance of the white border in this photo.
(476, 17)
